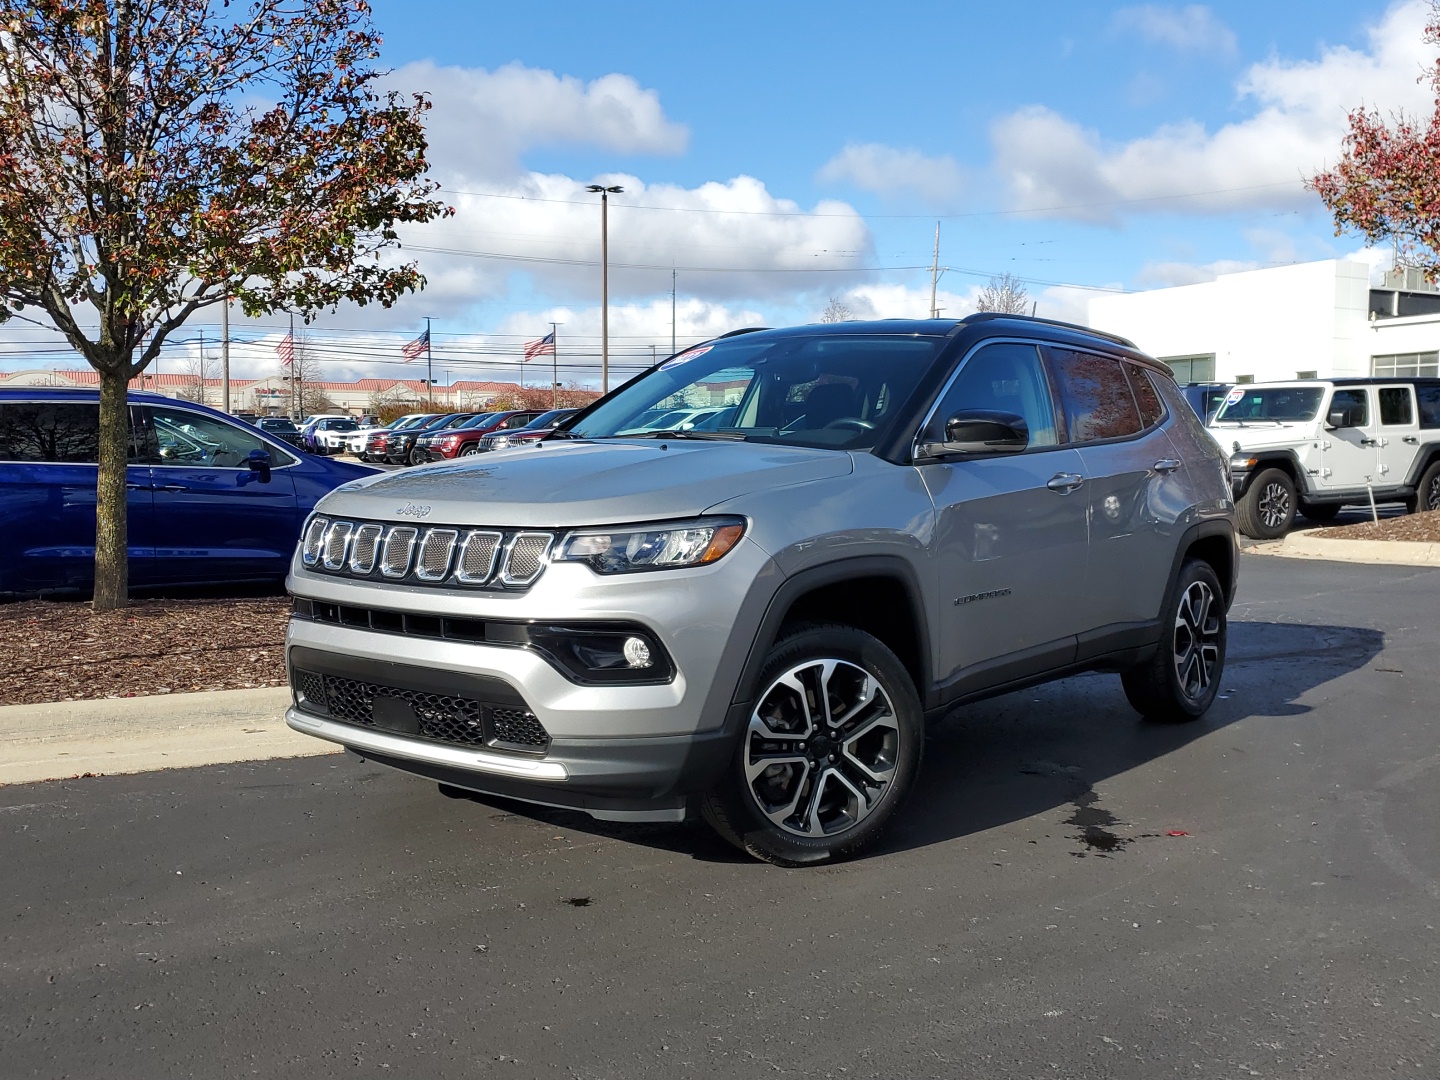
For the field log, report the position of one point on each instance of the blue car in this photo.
(212, 500)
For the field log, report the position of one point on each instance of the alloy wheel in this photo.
(1197, 639)
(1274, 505)
(822, 748)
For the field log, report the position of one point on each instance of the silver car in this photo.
(755, 622)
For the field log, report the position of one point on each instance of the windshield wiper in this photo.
(684, 433)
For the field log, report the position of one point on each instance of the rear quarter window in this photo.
(1099, 403)
(1429, 401)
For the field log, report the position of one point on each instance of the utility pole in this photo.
(225, 355)
(200, 372)
(935, 274)
(672, 311)
(295, 409)
(604, 193)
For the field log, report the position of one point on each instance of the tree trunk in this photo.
(112, 564)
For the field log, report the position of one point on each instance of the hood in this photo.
(1262, 434)
(558, 483)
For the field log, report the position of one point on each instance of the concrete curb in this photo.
(162, 731)
(1303, 545)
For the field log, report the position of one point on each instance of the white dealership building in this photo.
(1310, 320)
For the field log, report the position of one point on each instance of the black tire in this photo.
(1320, 511)
(471, 449)
(837, 784)
(1179, 682)
(1427, 494)
(1267, 508)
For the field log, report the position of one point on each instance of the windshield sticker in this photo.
(1234, 395)
(686, 357)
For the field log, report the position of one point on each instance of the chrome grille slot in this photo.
(364, 548)
(477, 557)
(399, 545)
(526, 558)
(337, 540)
(433, 563)
(314, 541)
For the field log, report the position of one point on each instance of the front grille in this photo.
(439, 555)
(445, 718)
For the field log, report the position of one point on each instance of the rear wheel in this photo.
(1267, 508)
(1427, 495)
(830, 749)
(1180, 681)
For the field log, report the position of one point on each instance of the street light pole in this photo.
(605, 193)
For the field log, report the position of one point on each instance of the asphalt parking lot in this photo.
(1071, 892)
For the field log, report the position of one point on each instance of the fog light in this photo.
(637, 652)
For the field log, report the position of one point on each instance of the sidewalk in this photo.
(1301, 545)
(141, 734)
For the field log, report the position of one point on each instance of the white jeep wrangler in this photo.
(1319, 445)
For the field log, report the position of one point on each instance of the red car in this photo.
(466, 441)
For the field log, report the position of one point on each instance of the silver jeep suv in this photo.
(755, 621)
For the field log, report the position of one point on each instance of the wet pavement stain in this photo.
(1094, 822)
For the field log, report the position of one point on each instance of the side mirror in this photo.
(982, 431)
(258, 461)
(1340, 418)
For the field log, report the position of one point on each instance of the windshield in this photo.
(340, 425)
(819, 389)
(1276, 403)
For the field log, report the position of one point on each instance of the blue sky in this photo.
(780, 154)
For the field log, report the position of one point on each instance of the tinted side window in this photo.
(50, 431)
(1354, 400)
(181, 437)
(1096, 396)
(1005, 377)
(1395, 405)
(1152, 411)
(1429, 398)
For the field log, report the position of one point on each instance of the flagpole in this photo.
(429, 371)
(554, 364)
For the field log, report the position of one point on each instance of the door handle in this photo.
(1165, 465)
(173, 487)
(1412, 439)
(141, 487)
(1369, 442)
(1065, 482)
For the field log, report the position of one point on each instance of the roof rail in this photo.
(987, 316)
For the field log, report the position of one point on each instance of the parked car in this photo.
(467, 442)
(400, 447)
(424, 449)
(282, 428)
(754, 623)
(326, 435)
(1315, 446)
(1205, 398)
(534, 431)
(372, 446)
(211, 500)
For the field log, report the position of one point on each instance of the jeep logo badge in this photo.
(413, 510)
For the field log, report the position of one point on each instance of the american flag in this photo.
(286, 349)
(540, 346)
(414, 348)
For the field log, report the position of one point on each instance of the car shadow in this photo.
(1029, 752)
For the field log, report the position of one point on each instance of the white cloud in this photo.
(890, 301)
(1192, 28)
(885, 170)
(1057, 168)
(1163, 274)
(482, 122)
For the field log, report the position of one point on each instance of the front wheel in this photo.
(470, 451)
(830, 750)
(1267, 509)
(1180, 681)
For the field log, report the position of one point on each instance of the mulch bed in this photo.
(67, 652)
(1418, 528)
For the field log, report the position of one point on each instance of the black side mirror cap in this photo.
(985, 431)
(258, 461)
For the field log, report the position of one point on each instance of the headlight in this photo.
(500, 442)
(664, 546)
